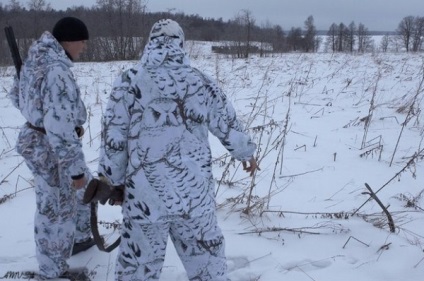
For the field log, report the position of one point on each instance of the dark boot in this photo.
(76, 274)
(83, 246)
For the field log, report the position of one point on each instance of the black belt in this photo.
(78, 130)
(38, 129)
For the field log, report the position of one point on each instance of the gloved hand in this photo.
(117, 195)
(100, 190)
(80, 131)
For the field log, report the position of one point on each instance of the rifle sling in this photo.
(38, 129)
(96, 235)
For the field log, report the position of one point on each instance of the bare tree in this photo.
(14, 5)
(294, 39)
(265, 38)
(405, 31)
(332, 37)
(384, 43)
(310, 35)
(364, 39)
(37, 7)
(342, 37)
(279, 39)
(124, 25)
(241, 32)
(418, 33)
(350, 36)
(248, 22)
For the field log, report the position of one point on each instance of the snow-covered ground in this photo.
(326, 123)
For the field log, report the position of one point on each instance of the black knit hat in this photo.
(70, 29)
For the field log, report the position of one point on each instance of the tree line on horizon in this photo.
(119, 29)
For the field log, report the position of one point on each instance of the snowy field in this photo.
(327, 124)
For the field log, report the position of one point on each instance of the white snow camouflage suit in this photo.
(48, 97)
(155, 141)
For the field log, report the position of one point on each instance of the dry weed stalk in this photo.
(5, 137)
(411, 201)
(373, 146)
(11, 172)
(412, 237)
(367, 120)
(285, 128)
(351, 237)
(262, 108)
(409, 115)
(411, 162)
(10, 196)
(315, 229)
(386, 212)
(7, 197)
(314, 215)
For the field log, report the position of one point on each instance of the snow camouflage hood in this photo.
(43, 52)
(47, 50)
(166, 45)
(155, 135)
(166, 27)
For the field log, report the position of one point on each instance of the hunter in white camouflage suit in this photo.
(48, 97)
(155, 142)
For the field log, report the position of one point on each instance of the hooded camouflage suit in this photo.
(155, 141)
(48, 97)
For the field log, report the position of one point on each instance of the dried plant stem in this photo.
(351, 237)
(249, 197)
(408, 117)
(370, 112)
(4, 135)
(301, 174)
(389, 216)
(224, 173)
(285, 130)
(4, 179)
(410, 162)
(278, 229)
(415, 266)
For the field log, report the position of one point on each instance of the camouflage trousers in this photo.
(198, 241)
(60, 218)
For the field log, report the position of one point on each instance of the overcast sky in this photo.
(376, 15)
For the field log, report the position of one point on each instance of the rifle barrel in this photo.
(13, 47)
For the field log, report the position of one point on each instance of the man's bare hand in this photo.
(79, 183)
(253, 166)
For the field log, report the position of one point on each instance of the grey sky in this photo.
(376, 15)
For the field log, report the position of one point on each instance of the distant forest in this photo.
(119, 28)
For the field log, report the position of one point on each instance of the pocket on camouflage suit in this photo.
(38, 154)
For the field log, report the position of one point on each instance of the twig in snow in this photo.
(408, 117)
(415, 266)
(356, 240)
(389, 216)
(4, 179)
(301, 174)
(368, 118)
(410, 162)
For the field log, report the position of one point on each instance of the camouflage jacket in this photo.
(48, 97)
(155, 135)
